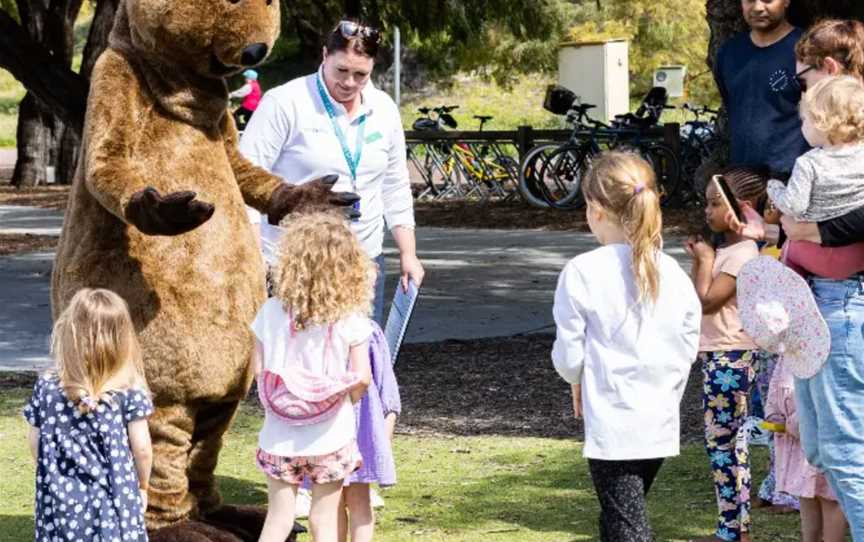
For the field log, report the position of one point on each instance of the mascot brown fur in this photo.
(157, 214)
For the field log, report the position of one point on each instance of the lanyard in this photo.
(353, 160)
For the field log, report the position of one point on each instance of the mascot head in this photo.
(211, 38)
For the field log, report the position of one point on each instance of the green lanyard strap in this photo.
(352, 159)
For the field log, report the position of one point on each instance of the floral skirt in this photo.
(321, 469)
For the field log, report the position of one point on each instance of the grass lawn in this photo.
(488, 488)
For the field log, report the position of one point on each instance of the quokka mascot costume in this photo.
(157, 214)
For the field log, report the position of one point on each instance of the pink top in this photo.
(835, 263)
(250, 102)
(794, 475)
(722, 331)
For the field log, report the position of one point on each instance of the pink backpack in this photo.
(304, 397)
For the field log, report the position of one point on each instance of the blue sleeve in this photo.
(136, 405)
(33, 411)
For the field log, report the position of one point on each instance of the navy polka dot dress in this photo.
(86, 482)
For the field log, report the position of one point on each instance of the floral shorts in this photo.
(321, 469)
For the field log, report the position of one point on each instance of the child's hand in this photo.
(576, 390)
(753, 229)
(143, 493)
(772, 214)
(698, 249)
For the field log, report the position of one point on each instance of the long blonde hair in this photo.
(624, 185)
(322, 274)
(95, 347)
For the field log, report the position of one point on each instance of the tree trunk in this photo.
(97, 39)
(35, 138)
(62, 90)
(44, 137)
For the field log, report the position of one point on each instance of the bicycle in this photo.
(434, 163)
(467, 169)
(698, 143)
(559, 179)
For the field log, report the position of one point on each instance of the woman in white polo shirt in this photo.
(335, 121)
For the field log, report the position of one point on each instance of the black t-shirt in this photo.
(761, 96)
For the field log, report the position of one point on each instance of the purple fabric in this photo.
(380, 399)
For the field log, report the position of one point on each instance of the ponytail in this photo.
(624, 184)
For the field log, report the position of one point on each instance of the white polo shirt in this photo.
(632, 359)
(290, 135)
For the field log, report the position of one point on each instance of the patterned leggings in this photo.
(727, 377)
(621, 488)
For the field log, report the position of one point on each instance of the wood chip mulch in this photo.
(500, 386)
(17, 243)
(46, 197)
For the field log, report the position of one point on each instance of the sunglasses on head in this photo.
(799, 78)
(350, 29)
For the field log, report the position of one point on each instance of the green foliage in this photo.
(518, 104)
(660, 33)
(10, 7)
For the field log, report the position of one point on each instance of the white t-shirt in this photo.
(272, 327)
(632, 359)
(291, 135)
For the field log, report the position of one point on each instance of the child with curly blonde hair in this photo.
(312, 354)
(826, 182)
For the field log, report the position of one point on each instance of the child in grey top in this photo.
(828, 181)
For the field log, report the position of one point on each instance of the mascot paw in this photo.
(172, 214)
(192, 531)
(314, 195)
(245, 522)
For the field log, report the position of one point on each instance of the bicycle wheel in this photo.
(667, 167)
(529, 172)
(560, 180)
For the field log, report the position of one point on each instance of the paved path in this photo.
(480, 283)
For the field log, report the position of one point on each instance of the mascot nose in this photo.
(253, 54)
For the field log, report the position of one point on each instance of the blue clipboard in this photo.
(399, 317)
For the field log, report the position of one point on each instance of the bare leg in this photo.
(811, 520)
(343, 518)
(390, 423)
(833, 521)
(362, 517)
(280, 511)
(323, 517)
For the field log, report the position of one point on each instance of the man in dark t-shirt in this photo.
(755, 73)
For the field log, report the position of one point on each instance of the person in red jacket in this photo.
(250, 93)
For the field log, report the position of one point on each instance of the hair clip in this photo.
(89, 402)
(638, 188)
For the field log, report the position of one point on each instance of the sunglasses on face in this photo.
(350, 29)
(799, 78)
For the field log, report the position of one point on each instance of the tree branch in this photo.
(60, 90)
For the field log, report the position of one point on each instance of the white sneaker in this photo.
(303, 503)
